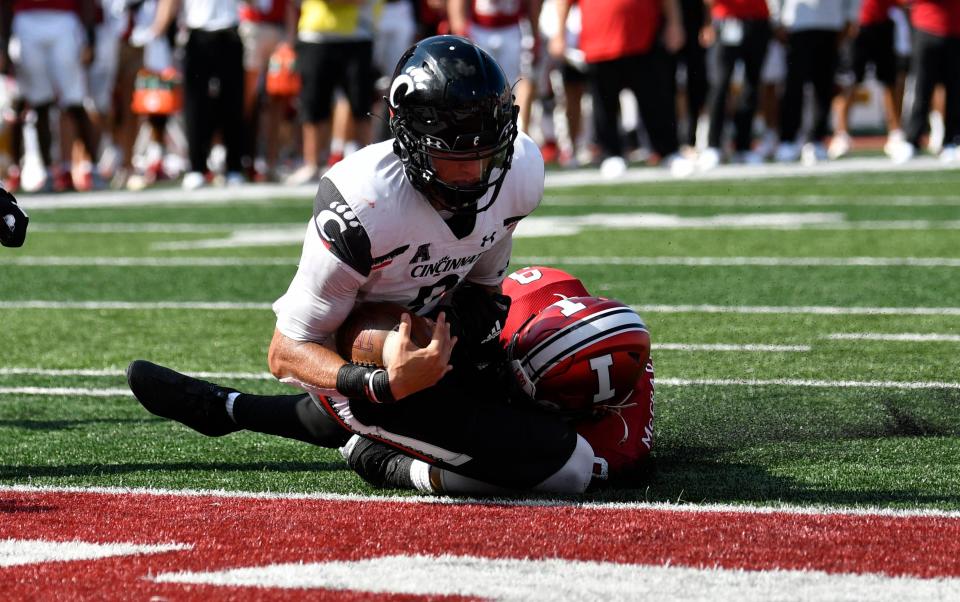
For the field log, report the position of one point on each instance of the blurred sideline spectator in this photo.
(873, 44)
(51, 43)
(495, 26)
(812, 31)
(212, 82)
(693, 56)
(936, 58)
(621, 43)
(564, 77)
(334, 49)
(740, 31)
(262, 31)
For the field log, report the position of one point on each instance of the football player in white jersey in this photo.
(423, 217)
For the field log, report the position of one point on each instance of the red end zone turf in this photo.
(222, 533)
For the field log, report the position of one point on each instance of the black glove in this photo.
(13, 221)
(476, 317)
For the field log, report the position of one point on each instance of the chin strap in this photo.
(618, 408)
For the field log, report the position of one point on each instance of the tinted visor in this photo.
(468, 169)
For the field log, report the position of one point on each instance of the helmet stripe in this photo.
(570, 341)
(580, 323)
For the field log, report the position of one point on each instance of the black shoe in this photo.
(377, 463)
(194, 402)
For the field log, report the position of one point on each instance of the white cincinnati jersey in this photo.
(374, 237)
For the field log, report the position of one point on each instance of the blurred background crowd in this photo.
(127, 93)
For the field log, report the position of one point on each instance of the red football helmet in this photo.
(580, 355)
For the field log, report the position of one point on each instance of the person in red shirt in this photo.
(873, 44)
(741, 31)
(936, 49)
(622, 45)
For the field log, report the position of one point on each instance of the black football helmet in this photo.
(450, 101)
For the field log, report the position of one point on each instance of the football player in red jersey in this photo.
(606, 385)
(583, 357)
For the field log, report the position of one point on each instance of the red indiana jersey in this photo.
(496, 13)
(621, 436)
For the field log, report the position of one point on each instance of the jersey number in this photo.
(430, 293)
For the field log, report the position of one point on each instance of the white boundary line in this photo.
(459, 501)
(767, 200)
(263, 193)
(951, 262)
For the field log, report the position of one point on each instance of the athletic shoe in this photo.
(903, 152)
(748, 158)
(378, 463)
(949, 154)
(813, 153)
(193, 180)
(709, 159)
(767, 145)
(305, 174)
(679, 166)
(234, 178)
(840, 145)
(894, 139)
(196, 403)
(550, 152)
(613, 167)
(334, 158)
(787, 152)
(62, 181)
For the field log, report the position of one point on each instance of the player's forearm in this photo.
(302, 363)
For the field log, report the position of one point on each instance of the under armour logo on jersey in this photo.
(488, 239)
(422, 254)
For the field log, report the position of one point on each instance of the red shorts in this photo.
(624, 437)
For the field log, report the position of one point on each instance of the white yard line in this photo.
(648, 308)
(749, 201)
(807, 309)
(722, 347)
(339, 497)
(670, 382)
(951, 262)
(111, 372)
(56, 391)
(908, 337)
(158, 262)
(803, 382)
(136, 305)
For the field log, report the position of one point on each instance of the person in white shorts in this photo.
(52, 46)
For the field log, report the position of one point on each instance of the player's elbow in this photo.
(278, 356)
